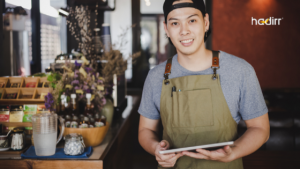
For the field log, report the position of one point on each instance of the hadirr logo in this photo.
(268, 21)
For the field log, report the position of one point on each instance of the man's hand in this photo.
(165, 160)
(224, 154)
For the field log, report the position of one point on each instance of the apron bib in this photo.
(194, 111)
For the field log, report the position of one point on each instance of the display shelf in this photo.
(35, 92)
(16, 124)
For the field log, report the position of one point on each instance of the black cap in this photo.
(197, 4)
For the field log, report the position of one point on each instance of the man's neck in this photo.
(198, 61)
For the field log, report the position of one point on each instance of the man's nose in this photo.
(185, 30)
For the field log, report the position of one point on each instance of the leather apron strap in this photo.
(215, 66)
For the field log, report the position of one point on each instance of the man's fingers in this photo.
(204, 152)
(176, 156)
(196, 155)
(227, 149)
(167, 165)
(166, 157)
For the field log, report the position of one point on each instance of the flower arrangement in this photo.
(85, 76)
(79, 79)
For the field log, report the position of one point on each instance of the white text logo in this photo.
(268, 21)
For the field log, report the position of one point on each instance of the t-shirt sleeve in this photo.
(252, 103)
(147, 107)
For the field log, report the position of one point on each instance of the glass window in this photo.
(53, 29)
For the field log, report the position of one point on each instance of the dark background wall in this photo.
(273, 51)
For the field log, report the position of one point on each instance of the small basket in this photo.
(91, 136)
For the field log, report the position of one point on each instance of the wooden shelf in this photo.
(17, 124)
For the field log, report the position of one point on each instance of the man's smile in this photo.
(187, 42)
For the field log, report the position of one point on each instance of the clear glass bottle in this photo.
(98, 122)
(68, 117)
(74, 110)
(74, 122)
(88, 113)
(61, 111)
(84, 123)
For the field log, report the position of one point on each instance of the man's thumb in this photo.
(163, 144)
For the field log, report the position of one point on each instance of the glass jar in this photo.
(17, 138)
(74, 144)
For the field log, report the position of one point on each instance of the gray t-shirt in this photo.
(238, 80)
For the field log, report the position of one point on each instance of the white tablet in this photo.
(196, 147)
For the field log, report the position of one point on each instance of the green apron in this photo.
(194, 111)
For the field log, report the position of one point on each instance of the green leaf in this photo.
(57, 76)
(68, 99)
(50, 78)
(53, 85)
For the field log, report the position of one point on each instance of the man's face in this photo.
(186, 28)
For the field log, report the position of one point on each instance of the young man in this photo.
(200, 96)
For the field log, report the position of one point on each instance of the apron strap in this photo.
(215, 66)
(168, 70)
(215, 63)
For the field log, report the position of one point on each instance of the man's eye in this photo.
(174, 23)
(193, 20)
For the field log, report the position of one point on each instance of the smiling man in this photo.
(200, 95)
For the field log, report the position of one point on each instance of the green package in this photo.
(29, 110)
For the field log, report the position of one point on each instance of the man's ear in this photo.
(166, 29)
(206, 21)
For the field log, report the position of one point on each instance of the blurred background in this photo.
(271, 49)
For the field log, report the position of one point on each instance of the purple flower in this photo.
(77, 88)
(85, 87)
(75, 82)
(77, 64)
(49, 101)
(88, 69)
(100, 81)
(103, 101)
(75, 75)
(76, 71)
(88, 91)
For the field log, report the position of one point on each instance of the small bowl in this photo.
(91, 136)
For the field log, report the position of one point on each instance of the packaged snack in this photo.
(43, 95)
(42, 109)
(16, 114)
(31, 84)
(4, 113)
(29, 110)
(15, 85)
(11, 96)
